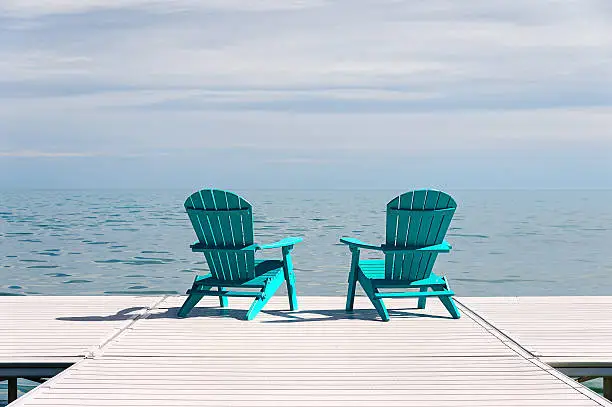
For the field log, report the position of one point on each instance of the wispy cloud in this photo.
(46, 154)
(148, 77)
(298, 161)
(38, 8)
(471, 52)
(78, 154)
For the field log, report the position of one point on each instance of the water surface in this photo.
(137, 242)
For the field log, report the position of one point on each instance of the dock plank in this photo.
(558, 330)
(321, 328)
(318, 356)
(52, 329)
(282, 381)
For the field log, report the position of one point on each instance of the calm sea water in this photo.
(137, 242)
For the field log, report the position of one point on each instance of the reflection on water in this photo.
(128, 242)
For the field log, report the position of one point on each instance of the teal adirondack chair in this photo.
(223, 223)
(416, 224)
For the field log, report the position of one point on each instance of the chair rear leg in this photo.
(192, 300)
(377, 302)
(268, 291)
(222, 299)
(422, 300)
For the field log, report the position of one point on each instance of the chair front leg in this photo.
(371, 292)
(222, 299)
(448, 301)
(422, 300)
(352, 279)
(289, 277)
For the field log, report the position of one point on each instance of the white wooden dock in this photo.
(572, 334)
(133, 351)
(561, 331)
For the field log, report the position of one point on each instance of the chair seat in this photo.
(264, 269)
(374, 270)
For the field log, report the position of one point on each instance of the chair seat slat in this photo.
(226, 293)
(415, 294)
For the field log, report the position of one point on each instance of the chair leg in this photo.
(350, 295)
(450, 306)
(448, 302)
(352, 280)
(289, 278)
(268, 291)
(191, 301)
(377, 302)
(222, 299)
(422, 300)
(293, 304)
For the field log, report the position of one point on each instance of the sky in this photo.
(305, 94)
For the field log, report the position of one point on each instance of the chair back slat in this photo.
(223, 220)
(415, 220)
(213, 220)
(235, 219)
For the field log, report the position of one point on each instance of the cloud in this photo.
(38, 8)
(46, 154)
(298, 161)
(189, 133)
(77, 154)
(185, 77)
(475, 50)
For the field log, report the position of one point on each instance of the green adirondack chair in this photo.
(416, 224)
(223, 223)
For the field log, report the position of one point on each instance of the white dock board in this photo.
(318, 356)
(321, 327)
(62, 329)
(559, 330)
(326, 381)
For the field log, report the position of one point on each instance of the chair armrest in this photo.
(352, 242)
(443, 247)
(288, 241)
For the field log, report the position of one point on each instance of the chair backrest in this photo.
(223, 223)
(416, 219)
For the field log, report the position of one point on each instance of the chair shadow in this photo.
(167, 313)
(341, 314)
(121, 315)
(240, 314)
